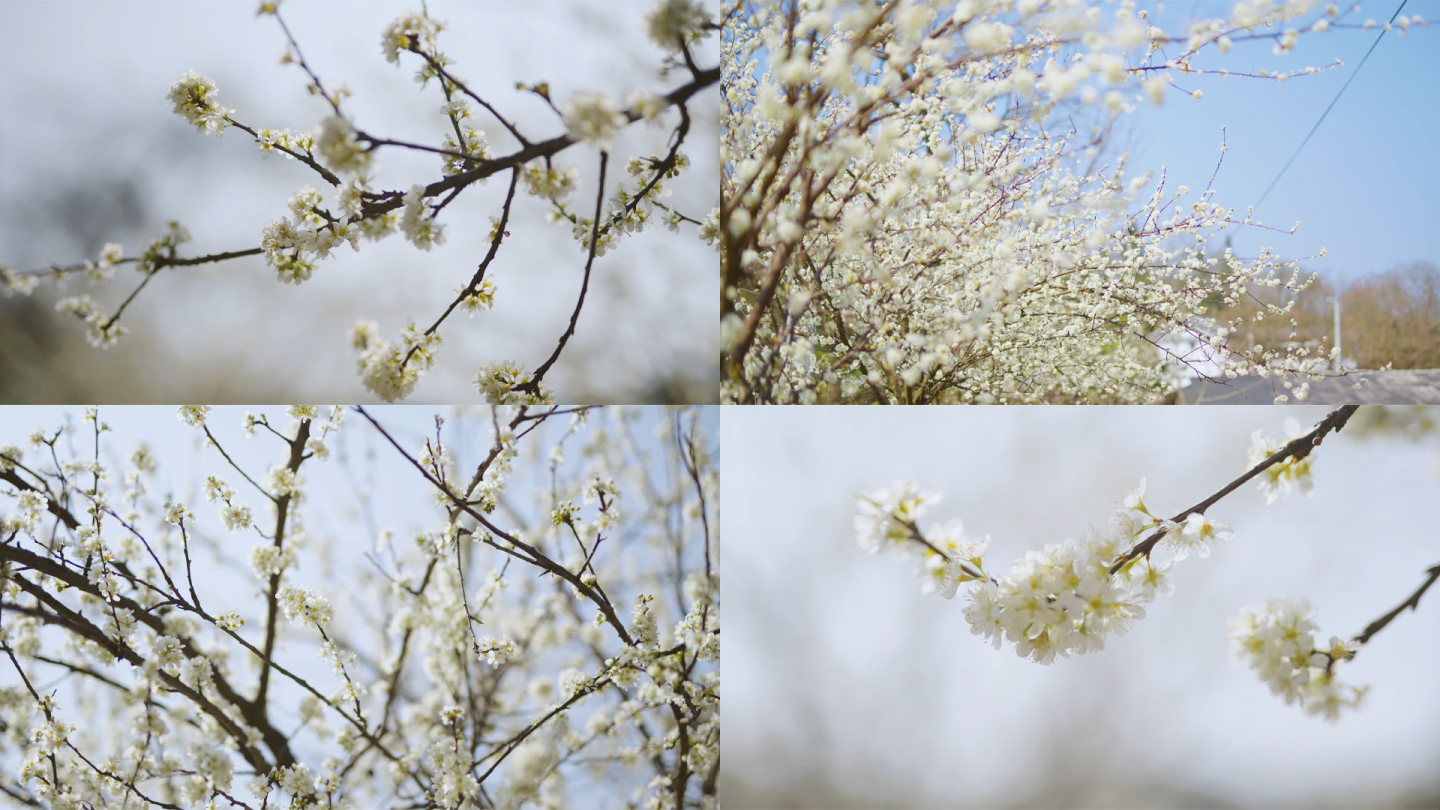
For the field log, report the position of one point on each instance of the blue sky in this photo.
(1364, 187)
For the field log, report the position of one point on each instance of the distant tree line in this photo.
(1388, 317)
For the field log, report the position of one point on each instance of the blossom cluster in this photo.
(1278, 642)
(673, 24)
(234, 514)
(1065, 599)
(1280, 479)
(392, 370)
(504, 383)
(292, 245)
(193, 100)
(304, 606)
(339, 147)
(104, 332)
(417, 223)
(594, 118)
(1061, 600)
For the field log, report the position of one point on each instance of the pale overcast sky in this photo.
(848, 687)
(87, 128)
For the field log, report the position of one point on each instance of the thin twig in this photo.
(1413, 602)
(534, 385)
(1297, 449)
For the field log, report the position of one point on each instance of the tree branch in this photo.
(1297, 449)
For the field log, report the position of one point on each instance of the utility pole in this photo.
(1339, 362)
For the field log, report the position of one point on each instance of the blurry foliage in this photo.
(1385, 318)
(1412, 422)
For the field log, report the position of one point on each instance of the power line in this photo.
(1331, 107)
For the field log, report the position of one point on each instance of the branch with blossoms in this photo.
(1065, 599)
(909, 213)
(454, 680)
(344, 156)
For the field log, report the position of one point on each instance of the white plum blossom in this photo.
(480, 300)
(392, 370)
(1278, 642)
(283, 481)
(499, 380)
(959, 559)
(1195, 533)
(316, 446)
(594, 118)
(340, 148)
(305, 606)
(236, 516)
(212, 767)
(193, 100)
(103, 332)
(195, 673)
(194, 415)
(16, 283)
(1281, 479)
(544, 180)
(166, 653)
(882, 515)
(411, 31)
(496, 651)
(675, 22)
(267, 561)
(10, 455)
(907, 218)
(417, 223)
(293, 245)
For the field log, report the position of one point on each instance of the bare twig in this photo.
(1413, 602)
(1297, 449)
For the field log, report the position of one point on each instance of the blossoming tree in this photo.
(1065, 599)
(914, 209)
(552, 641)
(350, 205)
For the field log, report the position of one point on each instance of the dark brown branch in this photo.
(272, 593)
(237, 468)
(1413, 603)
(1296, 449)
(506, 748)
(446, 76)
(536, 558)
(306, 159)
(487, 168)
(73, 622)
(51, 504)
(479, 276)
(534, 385)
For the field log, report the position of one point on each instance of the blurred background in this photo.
(90, 153)
(848, 688)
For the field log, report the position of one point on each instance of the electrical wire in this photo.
(1353, 74)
